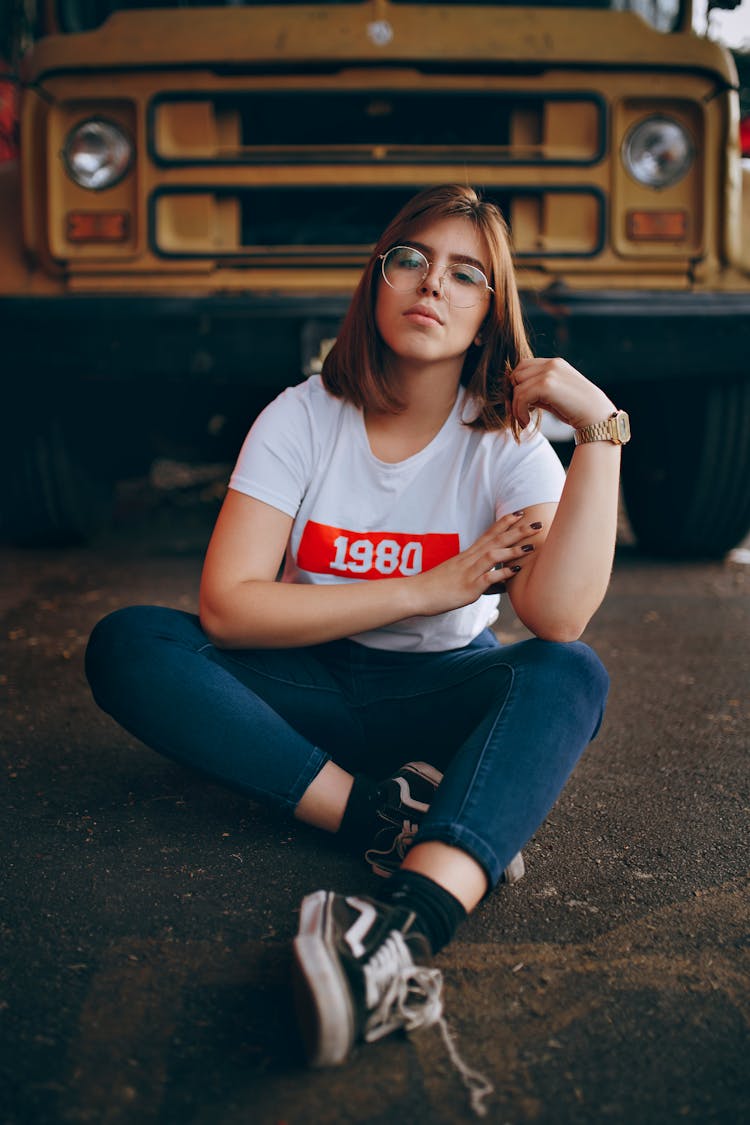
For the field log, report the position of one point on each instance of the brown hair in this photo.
(356, 367)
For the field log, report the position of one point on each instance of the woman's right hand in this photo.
(494, 558)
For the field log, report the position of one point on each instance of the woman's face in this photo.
(423, 324)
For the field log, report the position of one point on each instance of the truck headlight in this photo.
(658, 151)
(97, 153)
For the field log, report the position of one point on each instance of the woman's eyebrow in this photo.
(428, 250)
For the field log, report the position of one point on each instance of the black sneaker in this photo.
(407, 797)
(358, 975)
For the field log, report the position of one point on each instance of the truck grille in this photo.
(257, 176)
(381, 126)
(265, 225)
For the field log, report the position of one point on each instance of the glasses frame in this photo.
(487, 287)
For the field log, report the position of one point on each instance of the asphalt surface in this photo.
(146, 915)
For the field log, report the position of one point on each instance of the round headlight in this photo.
(658, 152)
(97, 153)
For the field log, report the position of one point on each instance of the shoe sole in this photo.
(321, 990)
(515, 870)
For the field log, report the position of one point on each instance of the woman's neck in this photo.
(428, 390)
(428, 401)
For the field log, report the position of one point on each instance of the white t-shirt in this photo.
(357, 518)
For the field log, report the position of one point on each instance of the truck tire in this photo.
(686, 473)
(54, 496)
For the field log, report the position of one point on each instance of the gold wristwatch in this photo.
(616, 429)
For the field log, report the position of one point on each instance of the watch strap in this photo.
(606, 430)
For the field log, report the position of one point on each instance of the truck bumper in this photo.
(267, 342)
(622, 337)
(245, 339)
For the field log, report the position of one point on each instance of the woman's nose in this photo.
(432, 283)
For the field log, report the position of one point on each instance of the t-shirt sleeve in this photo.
(525, 473)
(275, 462)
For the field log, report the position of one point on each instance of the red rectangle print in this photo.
(372, 554)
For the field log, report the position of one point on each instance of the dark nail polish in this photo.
(528, 547)
(515, 569)
(518, 513)
(536, 526)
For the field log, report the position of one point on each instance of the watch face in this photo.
(623, 426)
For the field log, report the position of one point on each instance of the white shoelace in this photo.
(402, 994)
(398, 992)
(478, 1085)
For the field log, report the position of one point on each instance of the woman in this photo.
(402, 490)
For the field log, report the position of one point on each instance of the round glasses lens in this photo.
(404, 268)
(464, 285)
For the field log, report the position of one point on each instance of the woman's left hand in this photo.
(556, 386)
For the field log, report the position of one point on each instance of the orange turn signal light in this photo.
(97, 226)
(657, 225)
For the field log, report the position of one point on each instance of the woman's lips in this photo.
(422, 314)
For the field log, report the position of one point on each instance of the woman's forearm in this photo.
(242, 606)
(262, 614)
(570, 576)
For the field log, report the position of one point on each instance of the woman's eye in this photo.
(465, 277)
(410, 262)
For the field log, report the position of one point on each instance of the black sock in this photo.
(438, 911)
(359, 822)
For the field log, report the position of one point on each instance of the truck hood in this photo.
(311, 35)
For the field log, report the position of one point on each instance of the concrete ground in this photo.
(146, 916)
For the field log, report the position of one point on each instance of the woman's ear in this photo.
(478, 340)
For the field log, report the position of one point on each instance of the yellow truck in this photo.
(199, 187)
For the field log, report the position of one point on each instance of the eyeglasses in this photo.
(462, 285)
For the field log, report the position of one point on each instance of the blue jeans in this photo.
(505, 724)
